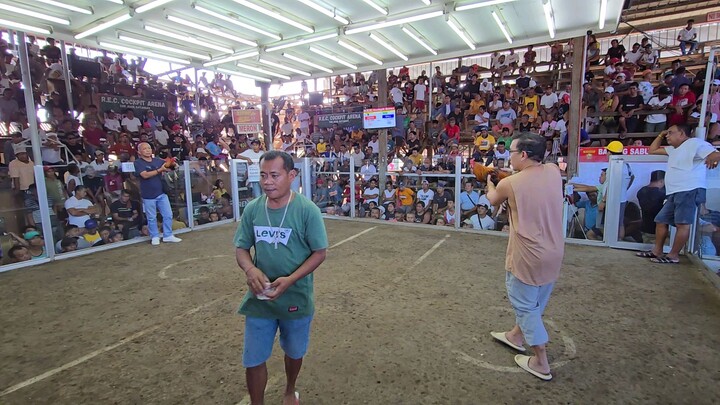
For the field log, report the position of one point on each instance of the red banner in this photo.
(600, 154)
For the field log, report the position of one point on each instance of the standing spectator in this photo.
(396, 95)
(529, 62)
(20, 170)
(685, 188)
(420, 90)
(688, 35)
(616, 51)
(150, 169)
(651, 198)
(535, 248)
(279, 276)
(8, 106)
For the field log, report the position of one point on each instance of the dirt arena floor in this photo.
(394, 325)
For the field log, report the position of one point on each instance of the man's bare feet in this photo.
(291, 399)
(515, 339)
(535, 365)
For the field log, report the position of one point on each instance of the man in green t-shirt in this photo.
(288, 234)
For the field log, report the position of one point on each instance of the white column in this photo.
(29, 99)
(67, 77)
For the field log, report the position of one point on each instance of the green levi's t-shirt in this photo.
(302, 233)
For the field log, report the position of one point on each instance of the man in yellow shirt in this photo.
(416, 157)
(475, 105)
(405, 200)
(321, 146)
(484, 144)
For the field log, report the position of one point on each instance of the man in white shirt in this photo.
(131, 123)
(685, 188)
(304, 119)
(368, 170)
(420, 93)
(688, 36)
(252, 156)
(161, 135)
(111, 122)
(512, 60)
(486, 86)
(425, 194)
(635, 54)
(79, 209)
(481, 220)
(548, 102)
(657, 122)
(371, 193)
(396, 95)
(374, 143)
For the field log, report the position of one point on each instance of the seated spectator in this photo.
(591, 208)
(126, 215)
(79, 208)
(204, 216)
(481, 220)
(68, 244)
(405, 198)
(688, 36)
(657, 122)
(389, 214)
(451, 133)
(469, 199)
(91, 237)
(450, 216)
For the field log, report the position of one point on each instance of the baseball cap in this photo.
(665, 90)
(425, 182)
(201, 150)
(620, 74)
(610, 90)
(482, 205)
(255, 141)
(401, 184)
(615, 147)
(99, 152)
(91, 224)
(31, 234)
(19, 148)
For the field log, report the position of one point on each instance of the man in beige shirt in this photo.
(535, 248)
(21, 169)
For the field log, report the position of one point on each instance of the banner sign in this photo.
(376, 118)
(245, 117)
(600, 154)
(714, 16)
(139, 105)
(344, 120)
(247, 128)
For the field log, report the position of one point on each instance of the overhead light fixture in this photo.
(323, 10)
(209, 30)
(307, 63)
(107, 24)
(29, 13)
(603, 13)
(502, 26)
(419, 40)
(549, 17)
(116, 1)
(455, 27)
(275, 15)
(427, 2)
(359, 52)
(301, 42)
(232, 58)
(332, 57)
(483, 4)
(283, 67)
(245, 75)
(25, 27)
(387, 46)
(151, 5)
(263, 71)
(70, 7)
(235, 21)
(145, 42)
(141, 52)
(187, 38)
(374, 5)
(399, 21)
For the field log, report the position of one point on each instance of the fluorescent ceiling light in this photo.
(549, 17)
(263, 71)
(29, 13)
(232, 58)
(70, 7)
(151, 5)
(323, 10)
(388, 46)
(502, 26)
(374, 5)
(427, 2)
(307, 63)
(236, 22)
(187, 38)
(103, 26)
(359, 52)
(141, 52)
(301, 42)
(25, 27)
(461, 34)
(116, 1)
(154, 45)
(275, 15)
(332, 57)
(419, 40)
(245, 75)
(483, 4)
(209, 30)
(283, 67)
(399, 21)
(603, 12)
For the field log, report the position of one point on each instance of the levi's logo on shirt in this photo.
(271, 234)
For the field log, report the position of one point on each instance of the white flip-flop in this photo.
(524, 363)
(500, 337)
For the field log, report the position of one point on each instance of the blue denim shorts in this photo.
(680, 208)
(260, 337)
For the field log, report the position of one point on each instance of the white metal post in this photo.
(701, 129)
(188, 194)
(306, 178)
(47, 230)
(458, 187)
(29, 99)
(66, 76)
(235, 189)
(352, 186)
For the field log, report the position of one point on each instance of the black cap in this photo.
(665, 90)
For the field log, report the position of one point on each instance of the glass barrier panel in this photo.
(210, 188)
(708, 229)
(248, 182)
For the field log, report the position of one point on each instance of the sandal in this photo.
(648, 254)
(665, 260)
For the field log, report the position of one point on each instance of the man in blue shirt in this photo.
(591, 213)
(469, 198)
(149, 170)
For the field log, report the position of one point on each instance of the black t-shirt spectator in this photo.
(472, 88)
(523, 82)
(77, 149)
(94, 184)
(651, 201)
(459, 117)
(177, 151)
(51, 52)
(616, 52)
(442, 199)
(452, 91)
(413, 144)
(525, 127)
(125, 210)
(203, 221)
(628, 102)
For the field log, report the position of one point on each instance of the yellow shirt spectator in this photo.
(475, 107)
(416, 159)
(405, 196)
(321, 147)
(356, 135)
(484, 144)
